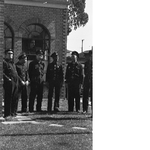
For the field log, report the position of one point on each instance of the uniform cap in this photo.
(39, 51)
(10, 51)
(54, 55)
(22, 56)
(75, 53)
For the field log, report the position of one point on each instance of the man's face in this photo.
(39, 57)
(9, 55)
(56, 58)
(24, 60)
(74, 58)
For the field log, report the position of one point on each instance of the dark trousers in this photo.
(23, 92)
(36, 89)
(14, 105)
(10, 98)
(7, 99)
(73, 93)
(57, 87)
(91, 94)
(24, 97)
(86, 93)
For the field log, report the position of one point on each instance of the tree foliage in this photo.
(77, 16)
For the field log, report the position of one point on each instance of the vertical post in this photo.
(82, 46)
(1, 51)
(65, 23)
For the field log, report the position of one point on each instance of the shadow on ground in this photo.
(41, 134)
(62, 116)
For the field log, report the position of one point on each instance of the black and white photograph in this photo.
(46, 79)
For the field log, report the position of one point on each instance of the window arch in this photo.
(8, 37)
(36, 36)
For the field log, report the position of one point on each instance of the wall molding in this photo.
(48, 3)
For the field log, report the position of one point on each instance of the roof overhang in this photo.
(62, 4)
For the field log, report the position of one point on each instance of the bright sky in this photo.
(75, 37)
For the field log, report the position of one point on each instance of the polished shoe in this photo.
(14, 114)
(23, 111)
(84, 112)
(8, 118)
(78, 111)
(49, 112)
(30, 113)
(39, 111)
(14, 119)
(31, 110)
(70, 110)
(56, 109)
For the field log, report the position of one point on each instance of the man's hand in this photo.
(80, 88)
(23, 82)
(27, 83)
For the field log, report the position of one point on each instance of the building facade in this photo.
(1, 51)
(34, 23)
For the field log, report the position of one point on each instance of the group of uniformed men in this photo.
(18, 78)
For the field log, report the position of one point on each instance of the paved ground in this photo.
(42, 131)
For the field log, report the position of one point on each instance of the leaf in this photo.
(76, 14)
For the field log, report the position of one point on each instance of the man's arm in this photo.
(67, 74)
(30, 70)
(61, 74)
(81, 74)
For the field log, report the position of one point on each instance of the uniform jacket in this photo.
(74, 73)
(22, 71)
(9, 71)
(88, 71)
(36, 71)
(54, 73)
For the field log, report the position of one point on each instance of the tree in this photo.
(77, 16)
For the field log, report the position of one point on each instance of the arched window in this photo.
(8, 37)
(35, 36)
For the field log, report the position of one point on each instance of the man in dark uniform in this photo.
(54, 77)
(36, 73)
(74, 78)
(24, 77)
(87, 86)
(10, 85)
